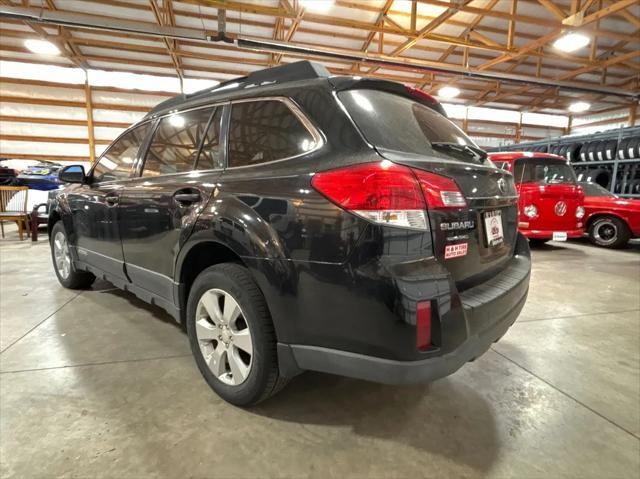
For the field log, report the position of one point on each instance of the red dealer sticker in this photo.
(455, 250)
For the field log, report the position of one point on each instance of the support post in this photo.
(92, 140)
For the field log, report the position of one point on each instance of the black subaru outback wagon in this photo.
(296, 221)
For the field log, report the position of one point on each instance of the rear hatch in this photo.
(473, 242)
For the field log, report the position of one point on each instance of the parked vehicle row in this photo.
(554, 205)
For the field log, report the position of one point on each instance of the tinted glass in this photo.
(397, 123)
(175, 143)
(593, 189)
(211, 154)
(262, 131)
(116, 163)
(542, 170)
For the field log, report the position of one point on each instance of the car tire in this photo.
(63, 265)
(241, 375)
(609, 232)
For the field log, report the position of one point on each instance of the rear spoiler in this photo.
(416, 94)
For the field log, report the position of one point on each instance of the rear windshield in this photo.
(397, 123)
(542, 170)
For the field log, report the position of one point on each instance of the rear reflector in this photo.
(380, 192)
(423, 325)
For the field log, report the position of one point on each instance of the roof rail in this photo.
(302, 70)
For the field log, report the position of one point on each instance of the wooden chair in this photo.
(13, 207)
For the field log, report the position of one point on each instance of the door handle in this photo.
(185, 199)
(111, 200)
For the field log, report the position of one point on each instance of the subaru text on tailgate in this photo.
(295, 221)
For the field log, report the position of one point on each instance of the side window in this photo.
(262, 131)
(117, 161)
(211, 154)
(175, 143)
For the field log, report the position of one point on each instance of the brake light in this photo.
(382, 192)
(440, 191)
(421, 94)
(423, 325)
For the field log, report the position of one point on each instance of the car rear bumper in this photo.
(548, 234)
(485, 311)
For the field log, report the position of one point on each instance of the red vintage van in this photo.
(551, 203)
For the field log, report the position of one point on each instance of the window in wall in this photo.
(211, 154)
(175, 143)
(117, 161)
(262, 131)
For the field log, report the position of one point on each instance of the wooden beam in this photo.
(61, 121)
(90, 130)
(73, 104)
(52, 139)
(171, 45)
(512, 24)
(551, 6)
(599, 65)
(633, 111)
(545, 39)
(37, 156)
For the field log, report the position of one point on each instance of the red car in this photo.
(611, 221)
(550, 201)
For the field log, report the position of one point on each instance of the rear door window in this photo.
(266, 130)
(175, 143)
(117, 161)
(211, 152)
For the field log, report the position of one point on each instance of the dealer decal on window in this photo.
(455, 250)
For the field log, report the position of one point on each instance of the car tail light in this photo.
(423, 325)
(579, 212)
(381, 192)
(440, 191)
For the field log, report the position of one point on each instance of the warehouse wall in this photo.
(48, 120)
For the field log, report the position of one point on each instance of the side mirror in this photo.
(72, 174)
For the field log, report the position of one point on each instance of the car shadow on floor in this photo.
(446, 418)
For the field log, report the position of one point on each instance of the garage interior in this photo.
(97, 383)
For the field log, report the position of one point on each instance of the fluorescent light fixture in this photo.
(571, 42)
(579, 106)
(320, 6)
(42, 47)
(448, 92)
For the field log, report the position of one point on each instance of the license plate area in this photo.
(493, 230)
(559, 236)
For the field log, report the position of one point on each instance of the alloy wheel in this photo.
(224, 337)
(61, 255)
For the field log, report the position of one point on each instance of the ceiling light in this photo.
(42, 47)
(321, 6)
(448, 92)
(571, 42)
(579, 106)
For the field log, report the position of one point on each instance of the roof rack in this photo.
(302, 70)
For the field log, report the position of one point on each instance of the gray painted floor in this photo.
(99, 384)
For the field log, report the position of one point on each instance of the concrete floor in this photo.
(99, 384)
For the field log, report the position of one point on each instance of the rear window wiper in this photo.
(478, 154)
